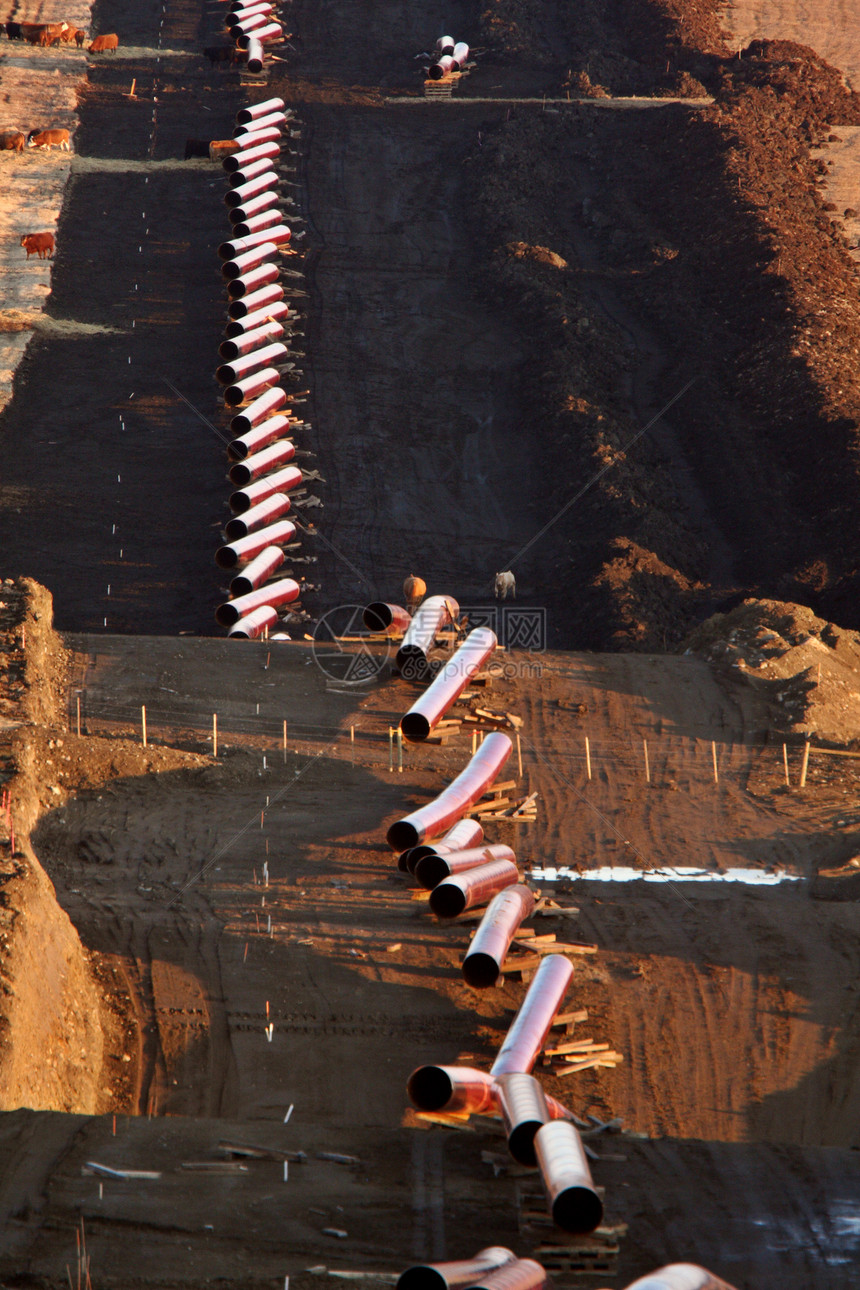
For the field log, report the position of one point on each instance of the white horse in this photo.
(505, 582)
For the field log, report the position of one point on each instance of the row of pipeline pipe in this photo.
(497, 1268)
(449, 56)
(253, 26)
(538, 1128)
(462, 871)
(261, 451)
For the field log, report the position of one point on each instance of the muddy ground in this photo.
(498, 297)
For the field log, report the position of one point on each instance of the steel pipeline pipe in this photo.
(246, 156)
(268, 432)
(448, 684)
(522, 1274)
(230, 373)
(236, 553)
(250, 281)
(276, 593)
(269, 134)
(241, 7)
(431, 616)
(258, 516)
(280, 482)
(260, 254)
(574, 1204)
(486, 954)
(248, 26)
(245, 341)
(259, 462)
(460, 1088)
(277, 233)
(257, 411)
(255, 110)
(239, 196)
(254, 300)
(275, 312)
(246, 174)
(460, 54)
(257, 571)
(533, 1022)
(263, 201)
(443, 67)
(524, 1109)
(451, 1088)
(454, 1275)
(431, 870)
(235, 22)
(273, 31)
(236, 12)
(270, 218)
(278, 119)
(254, 56)
(680, 1276)
(468, 833)
(444, 45)
(382, 617)
(236, 395)
(474, 887)
(254, 624)
(454, 801)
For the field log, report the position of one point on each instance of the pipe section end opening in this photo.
(578, 1210)
(402, 835)
(481, 971)
(429, 1088)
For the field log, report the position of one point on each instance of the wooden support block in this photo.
(505, 787)
(570, 1018)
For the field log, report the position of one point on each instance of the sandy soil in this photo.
(831, 30)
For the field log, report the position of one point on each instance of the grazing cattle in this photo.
(105, 44)
(220, 54)
(80, 37)
(414, 589)
(41, 244)
(47, 38)
(12, 141)
(13, 31)
(43, 33)
(49, 139)
(505, 582)
(70, 34)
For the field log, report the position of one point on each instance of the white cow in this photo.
(506, 582)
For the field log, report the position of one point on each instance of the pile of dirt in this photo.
(66, 1038)
(808, 669)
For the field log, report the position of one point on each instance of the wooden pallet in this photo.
(438, 89)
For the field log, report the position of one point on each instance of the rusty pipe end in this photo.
(480, 971)
(447, 900)
(429, 870)
(415, 727)
(402, 835)
(430, 1088)
(377, 617)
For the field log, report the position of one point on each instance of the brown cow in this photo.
(80, 37)
(48, 139)
(12, 141)
(69, 35)
(41, 244)
(42, 33)
(104, 44)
